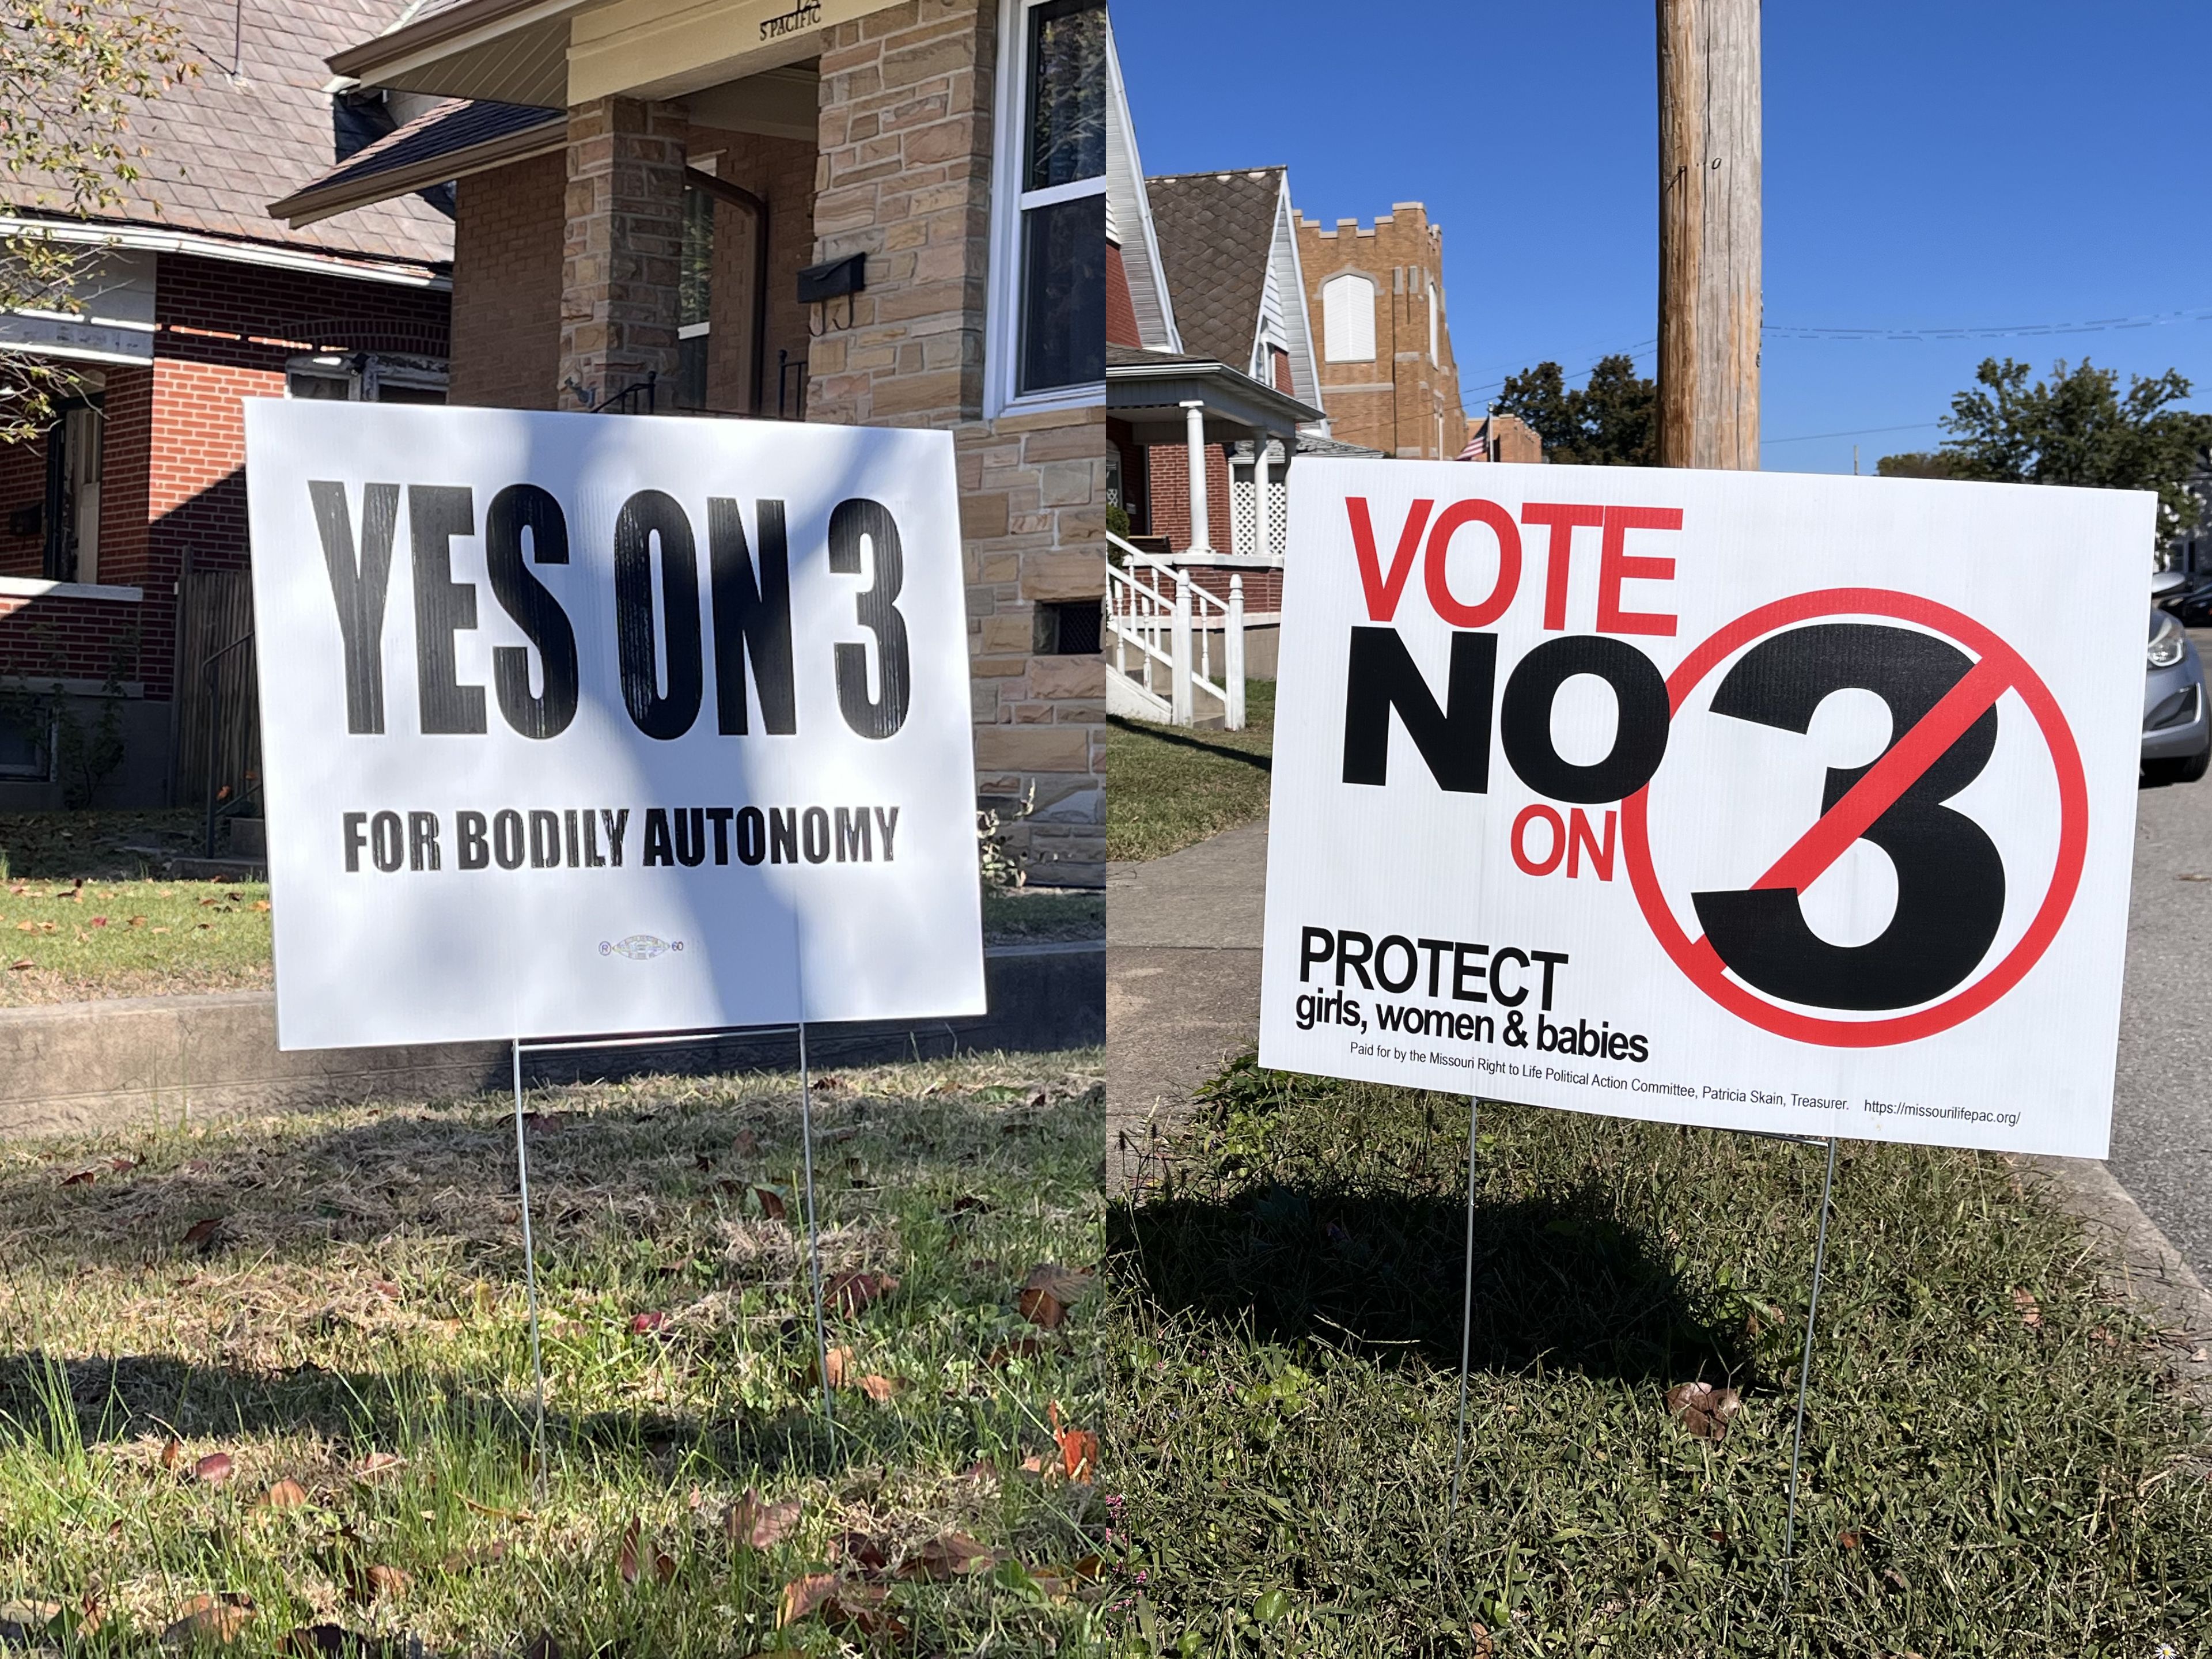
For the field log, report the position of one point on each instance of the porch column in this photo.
(1193, 413)
(621, 244)
(1263, 536)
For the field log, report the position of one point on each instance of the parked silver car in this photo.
(2177, 728)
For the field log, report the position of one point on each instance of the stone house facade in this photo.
(1388, 378)
(641, 184)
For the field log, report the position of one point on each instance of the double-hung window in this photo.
(1048, 246)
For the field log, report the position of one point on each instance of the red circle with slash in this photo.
(1999, 668)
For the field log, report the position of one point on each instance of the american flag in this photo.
(1478, 446)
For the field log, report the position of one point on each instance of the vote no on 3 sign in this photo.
(1797, 804)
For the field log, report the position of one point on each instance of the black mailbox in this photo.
(833, 279)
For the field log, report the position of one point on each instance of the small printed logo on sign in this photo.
(640, 947)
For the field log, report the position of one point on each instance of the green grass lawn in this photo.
(1994, 1462)
(1168, 787)
(80, 919)
(276, 1374)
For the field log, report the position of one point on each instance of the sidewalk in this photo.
(1183, 983)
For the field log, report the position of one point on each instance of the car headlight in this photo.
(2167, 644)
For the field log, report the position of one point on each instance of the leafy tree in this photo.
(70, 73)
(2076, 428)
(1612, 421)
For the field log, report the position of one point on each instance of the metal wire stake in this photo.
(813, 1237)
(1805, 1372)
(530, 1279)
(1466, 1318)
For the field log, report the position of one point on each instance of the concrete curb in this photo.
(84, 1068)
(2146, 1269)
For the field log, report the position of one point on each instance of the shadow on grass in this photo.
(1179, 739)
(1559, 1283)
(112, 1399)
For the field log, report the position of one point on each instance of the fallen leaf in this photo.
(261, 904)
(645, 1324)
(83, 1177)
(203, 1232)
(378, 1465)
(2031, 1313)
(96, 921)
(1848, 1541)
(159, 930)
(170, 1453)
(840, 1362)
(878, 1388)
(1702, 1409)
(1022, 1347)
(771, 1202)
(664, 1566)
(802, 1595)
(380, 1581)
(1048, 1292)
(210, 1619)
(949, 1555)
(284, 1495)
(484, 1555)
(387, 1289)
(858, 1549)
(860, 1607)
(215, 1467)
(626, 1556)
(755, 1525)
(20, 963)
(1078, 1452)
(851, 1291)
(138, 922)
(830, 1082)
(968, 1203)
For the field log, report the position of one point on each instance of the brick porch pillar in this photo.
(623, 236)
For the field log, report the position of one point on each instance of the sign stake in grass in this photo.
(1466, 1320)
(1805, 1370)
(813, 1233)
(530, 1280)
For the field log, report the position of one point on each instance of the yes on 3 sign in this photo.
(1787, 803)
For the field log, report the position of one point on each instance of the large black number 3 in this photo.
(881, 715)
(1950, 879)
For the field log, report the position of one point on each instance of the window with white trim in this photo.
(1049, 243)
(1347, 319)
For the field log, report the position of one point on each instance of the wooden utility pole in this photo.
(1709, 233)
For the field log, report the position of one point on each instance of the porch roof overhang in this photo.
(448, 142)
(1149, 390)
(566, 52)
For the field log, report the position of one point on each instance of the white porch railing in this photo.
(1163, 625)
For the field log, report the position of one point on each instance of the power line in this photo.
(2009, 330)
(1855, 432)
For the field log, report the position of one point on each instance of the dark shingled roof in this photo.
(222, 145)
(1215, 231)
(456, 124)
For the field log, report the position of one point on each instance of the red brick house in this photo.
(867, 212)
(121, 528)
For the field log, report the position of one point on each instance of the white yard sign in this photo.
(1784, 803)
(592, 724)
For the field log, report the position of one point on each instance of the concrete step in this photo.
(84, 1068)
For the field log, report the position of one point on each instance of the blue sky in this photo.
(1945, 164)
